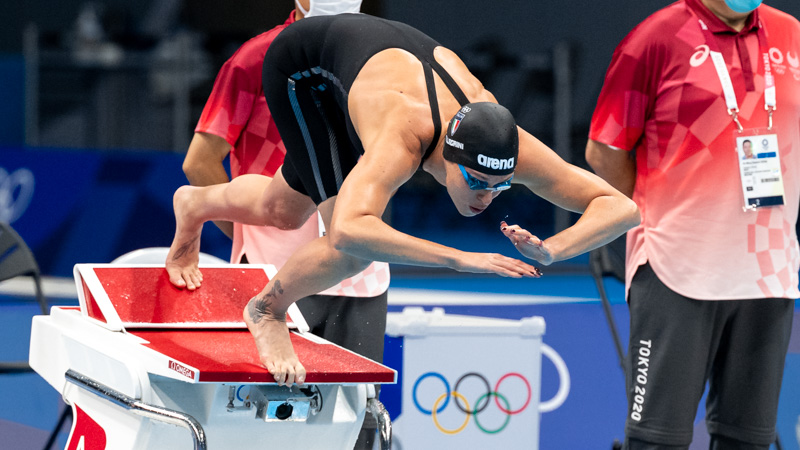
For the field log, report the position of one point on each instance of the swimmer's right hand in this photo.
(497, 264)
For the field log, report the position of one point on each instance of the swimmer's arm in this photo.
(606, 212)
(357, 227)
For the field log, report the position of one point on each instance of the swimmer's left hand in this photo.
(526, 243)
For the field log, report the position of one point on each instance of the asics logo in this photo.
(699, 56)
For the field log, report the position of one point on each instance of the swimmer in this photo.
(362, 103)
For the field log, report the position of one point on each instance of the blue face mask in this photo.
(743, 6)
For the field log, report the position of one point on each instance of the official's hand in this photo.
(526, 243)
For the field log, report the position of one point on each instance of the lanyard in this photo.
(725, 78)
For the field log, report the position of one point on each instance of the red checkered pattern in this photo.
(369, 283)
(774, 244)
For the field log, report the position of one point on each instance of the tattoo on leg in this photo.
(185, 248)
(260, 307)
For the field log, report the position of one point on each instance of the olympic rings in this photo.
(436, 421)
(446, 386)
(477, 408)
(480, 404)
(508, 416)
(497, 390)
(16, 191)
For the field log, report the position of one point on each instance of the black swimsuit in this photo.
(321, 58)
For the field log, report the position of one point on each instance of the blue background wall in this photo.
(93, 206)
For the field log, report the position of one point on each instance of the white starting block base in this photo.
(97, 420)
(95, 351)
(138, 376)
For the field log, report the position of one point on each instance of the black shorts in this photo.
(357, 324)
(677, 344)
(318, 136)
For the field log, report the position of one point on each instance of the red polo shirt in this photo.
(663, 98)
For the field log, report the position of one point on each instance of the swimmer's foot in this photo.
(272, 339)
(184, 253)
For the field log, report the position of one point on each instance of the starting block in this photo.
(140, 356)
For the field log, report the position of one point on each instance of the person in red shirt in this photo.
(237, 123)
(712, 270)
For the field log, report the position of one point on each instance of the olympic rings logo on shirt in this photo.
(480, 403)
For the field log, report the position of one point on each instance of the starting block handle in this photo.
(141, 408)
(378, 411)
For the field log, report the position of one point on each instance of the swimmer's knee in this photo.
(342, 240)
(285, 218)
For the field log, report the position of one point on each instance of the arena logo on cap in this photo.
(495, 163)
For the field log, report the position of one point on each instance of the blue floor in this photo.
(29, 407)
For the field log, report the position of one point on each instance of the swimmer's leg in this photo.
(313, 268)
(247, 199)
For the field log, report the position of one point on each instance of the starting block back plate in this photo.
(141, 296)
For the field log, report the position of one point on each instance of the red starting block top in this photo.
(200, 334)
(230, 356)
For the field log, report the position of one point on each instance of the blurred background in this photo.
(119, 77)
(99, 100)
(110, 80)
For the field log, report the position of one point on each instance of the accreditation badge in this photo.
(759, 168)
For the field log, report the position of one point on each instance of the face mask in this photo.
(329, 7)
(743, 6)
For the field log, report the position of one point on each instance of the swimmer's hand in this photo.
(497, 264)
(526, 243)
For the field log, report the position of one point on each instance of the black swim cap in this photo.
(483, 136)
